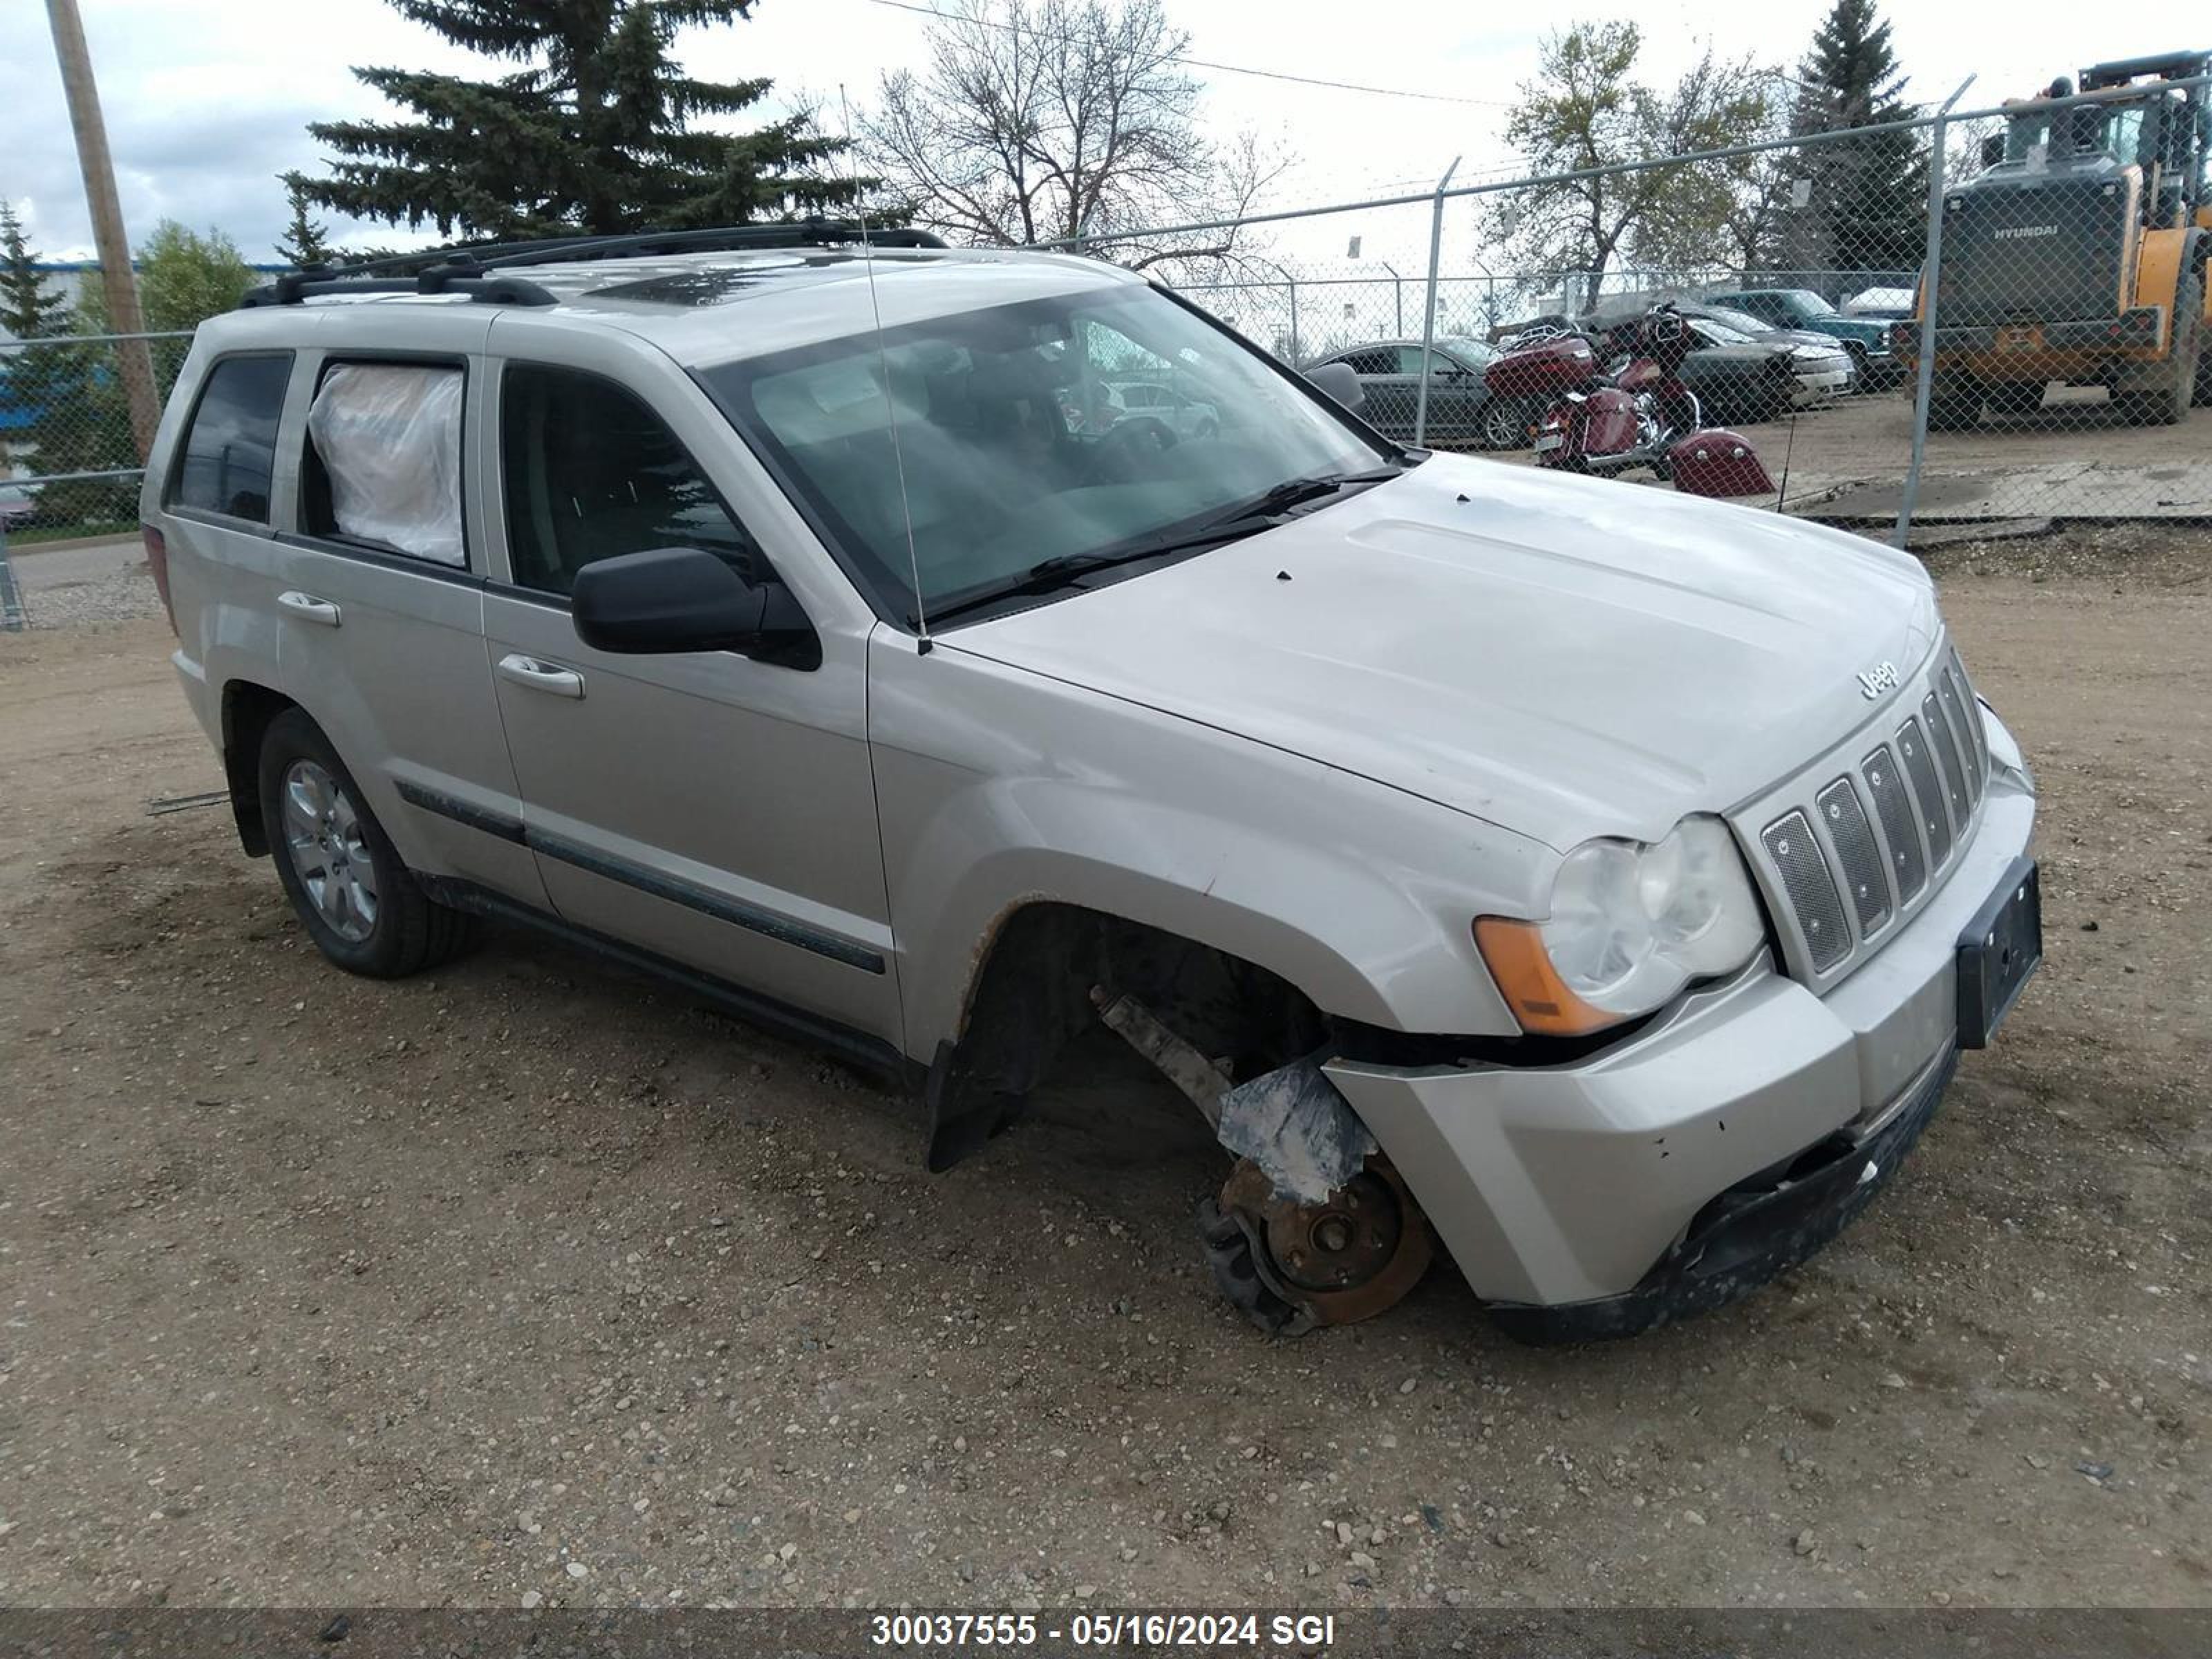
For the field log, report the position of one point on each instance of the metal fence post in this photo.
(1429, 308)
(12, 618)
(1298, 353)
(1931, 273)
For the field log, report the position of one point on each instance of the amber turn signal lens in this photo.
(1539, 998)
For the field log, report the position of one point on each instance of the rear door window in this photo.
(228, 460)
(383, 467)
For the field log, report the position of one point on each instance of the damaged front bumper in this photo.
(1714, 1148)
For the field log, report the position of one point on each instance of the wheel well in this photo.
(248, 709)
(1032, 993)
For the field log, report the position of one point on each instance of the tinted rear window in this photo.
(229, 452)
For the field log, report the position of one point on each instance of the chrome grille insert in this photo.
(1946, 689)
(1974, 707)
(1927, 792)
(1907, 864)
(1867, 882)
(1946, 753)
(1820, 913)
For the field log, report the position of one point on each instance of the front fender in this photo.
(998, 788)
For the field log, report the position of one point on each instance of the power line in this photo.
(1204, 62)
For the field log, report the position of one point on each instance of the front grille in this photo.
(1852, 837)
(1877, 836)
(1790, 843)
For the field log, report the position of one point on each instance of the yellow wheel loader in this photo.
(2078, 253)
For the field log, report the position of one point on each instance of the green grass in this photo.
(31, 534)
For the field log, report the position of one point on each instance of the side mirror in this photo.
(1338, 380)
(668, 599)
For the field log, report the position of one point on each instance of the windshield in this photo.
(1741, 321)
(1475, 354)
(1058, 430)
(2114, 129)
(1809, 304)
(1714, 333)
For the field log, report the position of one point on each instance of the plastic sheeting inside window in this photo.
(389, 436)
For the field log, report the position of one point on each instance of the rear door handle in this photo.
(308, 608)
(538, 675)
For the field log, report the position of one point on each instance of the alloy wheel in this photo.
(323, 838)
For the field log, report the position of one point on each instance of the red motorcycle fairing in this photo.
(1543, 370)
(1717, 462)
(1608, 423)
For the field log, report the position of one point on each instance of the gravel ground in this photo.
(104, 583)
(529, 1282)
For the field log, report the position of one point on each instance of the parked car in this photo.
(1825, 368)
(1598, 882)
(1822, 368)
(18, 506)
(1183, 416)
(1460, 410)
(1866, 338)
(1745, 378)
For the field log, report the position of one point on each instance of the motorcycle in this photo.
(1617, 401)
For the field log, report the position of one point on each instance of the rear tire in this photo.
(1505, 422)
(2016, 398)
(1954, 405)
(347, 885)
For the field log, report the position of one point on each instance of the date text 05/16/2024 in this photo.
(1306, 1632)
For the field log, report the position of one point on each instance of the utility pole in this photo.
(116, 276)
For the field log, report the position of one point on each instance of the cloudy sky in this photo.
(207, 100)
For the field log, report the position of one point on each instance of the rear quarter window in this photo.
(228, 459)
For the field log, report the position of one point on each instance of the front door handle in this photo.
(308, 608)
(539, 676)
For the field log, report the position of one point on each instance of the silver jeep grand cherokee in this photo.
(1598, 882)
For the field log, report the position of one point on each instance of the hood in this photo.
(1805, 342)
(1562, 657)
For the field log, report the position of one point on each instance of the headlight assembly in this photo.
(1630, 926)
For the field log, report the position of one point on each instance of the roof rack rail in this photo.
(464, 269)
(453, 277)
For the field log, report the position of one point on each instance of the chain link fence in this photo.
(2058, 369)
(67, 436)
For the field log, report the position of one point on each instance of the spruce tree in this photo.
(29, 308)
(1868, 207)
(305, 241)
(594, 131)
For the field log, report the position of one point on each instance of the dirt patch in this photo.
(323, 1291)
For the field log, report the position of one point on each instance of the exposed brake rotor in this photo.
(1293, 1267)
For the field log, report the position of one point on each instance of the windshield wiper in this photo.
(1049, 576)
(1247, 518)
(1297, 492)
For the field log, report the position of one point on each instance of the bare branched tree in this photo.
(1037, 120)
(1587, 111)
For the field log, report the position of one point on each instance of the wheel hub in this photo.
(1356, 1253)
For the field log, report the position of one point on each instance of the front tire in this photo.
(347, 885)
